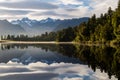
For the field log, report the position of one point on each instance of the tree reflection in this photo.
(105, 58)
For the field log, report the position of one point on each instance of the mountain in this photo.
(70, 23)
(47, 25)
(8, 28)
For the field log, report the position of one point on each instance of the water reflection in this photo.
(105, 58)
(29, 53)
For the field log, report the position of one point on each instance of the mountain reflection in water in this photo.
(105, 58)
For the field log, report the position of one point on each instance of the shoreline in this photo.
(87, 43)
(34, 42)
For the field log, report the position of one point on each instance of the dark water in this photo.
(80, 62)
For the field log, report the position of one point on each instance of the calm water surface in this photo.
(58, 62)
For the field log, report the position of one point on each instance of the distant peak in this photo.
(49, 18)
(5, 20)
(25, 19)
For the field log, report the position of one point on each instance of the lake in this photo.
(59, 62)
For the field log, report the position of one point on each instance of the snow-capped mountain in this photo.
(47, 25)
(24, 20)
(30, 22)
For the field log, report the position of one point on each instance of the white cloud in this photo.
(11, 0)
(64, 9)
(66, 2)
(101, 6)
(29, 5)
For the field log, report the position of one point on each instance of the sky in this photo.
(56, 9)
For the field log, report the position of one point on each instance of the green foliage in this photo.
(65, 35)
(104, 28)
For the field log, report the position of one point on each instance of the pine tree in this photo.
(118, 5)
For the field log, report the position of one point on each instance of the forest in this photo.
(105, 28)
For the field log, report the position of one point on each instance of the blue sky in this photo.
(62, 9)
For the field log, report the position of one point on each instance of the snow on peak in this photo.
(47, 20)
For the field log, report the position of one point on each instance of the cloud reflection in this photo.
(55, 71)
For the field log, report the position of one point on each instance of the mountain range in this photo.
(9, 28)
(29, 26)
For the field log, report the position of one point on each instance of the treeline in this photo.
(62, 35)
(106, 28)
(43, 37)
